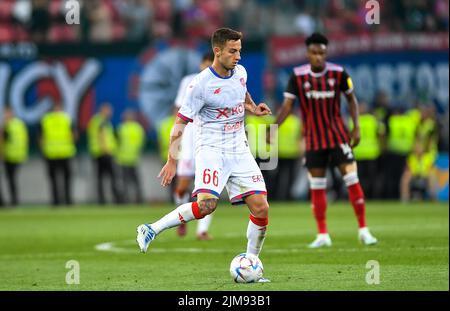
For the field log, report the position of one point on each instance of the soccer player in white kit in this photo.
(186, 160)
(218, 98)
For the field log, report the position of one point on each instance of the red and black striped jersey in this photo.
(319, 95)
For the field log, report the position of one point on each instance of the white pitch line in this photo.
(111, 247)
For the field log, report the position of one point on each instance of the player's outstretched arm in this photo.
(170, 168)
(355, 134)
(260, 110)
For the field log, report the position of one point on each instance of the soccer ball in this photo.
(246, 268)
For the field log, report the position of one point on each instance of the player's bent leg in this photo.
(356, 196)
(257, 225)
(146, 233)
(207, 203)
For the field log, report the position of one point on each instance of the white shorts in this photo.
(186, 161)
(240, 174)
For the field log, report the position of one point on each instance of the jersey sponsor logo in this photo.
(222, 112)
(217, 91)
(320, 94)
(227, 112)
(237, 109)
(233, 127)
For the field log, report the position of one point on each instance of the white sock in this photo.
(255, 235)
(175, 218)
(203, 224)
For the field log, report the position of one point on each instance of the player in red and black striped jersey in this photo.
(318, 86)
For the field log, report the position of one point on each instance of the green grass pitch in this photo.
(36, 243)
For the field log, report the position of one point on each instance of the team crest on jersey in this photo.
(217, 91)
(306, 85)
(331, 82)
(242, 82)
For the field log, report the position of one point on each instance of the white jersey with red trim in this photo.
(217, 105)
(186, 162)
(182, 89)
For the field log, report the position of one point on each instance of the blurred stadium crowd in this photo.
(143, 20)
(400, 143)
(396, 155)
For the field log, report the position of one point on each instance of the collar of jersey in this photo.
(219, 76)
(318, 74)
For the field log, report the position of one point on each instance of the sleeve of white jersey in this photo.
(243, 72)
(192, 101)
(182, 91)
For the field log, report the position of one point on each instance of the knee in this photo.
(207, 206)
(260, 209)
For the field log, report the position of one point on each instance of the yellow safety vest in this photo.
(131, 137)
(256, 135)
(415, 115)
(16, 144)
(94, 128)
(421, 167)
(402, 134)
(288, 137)
(57, 136)
(164, 137)
(426, 135)
(369, 146)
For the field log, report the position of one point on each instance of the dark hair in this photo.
(208, 56)
(222, 35)
(316, 38)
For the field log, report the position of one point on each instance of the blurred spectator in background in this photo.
(400, 135)
(99, 21)
(39, 20)
(415, 182)
(427, 130)
(131, 139)
(382, 107)
(439, 176)
(115, 20)
(289, 152)
(368, 151)
(102, 146)
(234, 14)
(137, 16)
(14, 150)
(58, 148)
(255, 128)
(443, 132)
(163, 135)
(203, 18)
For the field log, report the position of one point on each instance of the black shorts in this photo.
(335, 157)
